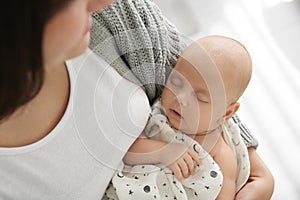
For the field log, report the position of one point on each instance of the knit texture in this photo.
(248, 138)
(147, 43)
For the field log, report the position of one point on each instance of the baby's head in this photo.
(233, 62)
(206, 83)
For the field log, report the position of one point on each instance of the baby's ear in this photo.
(231, 109)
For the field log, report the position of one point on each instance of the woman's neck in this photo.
(37, 118)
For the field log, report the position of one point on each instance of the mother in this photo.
(62, 132)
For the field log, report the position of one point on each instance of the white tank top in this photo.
(76, 160)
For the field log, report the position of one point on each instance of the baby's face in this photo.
(188, 102)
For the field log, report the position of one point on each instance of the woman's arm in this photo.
(260, 185)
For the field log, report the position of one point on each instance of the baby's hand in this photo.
(183, 160)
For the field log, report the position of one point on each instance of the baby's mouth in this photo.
(176, 115)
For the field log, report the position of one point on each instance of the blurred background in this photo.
(270, 107)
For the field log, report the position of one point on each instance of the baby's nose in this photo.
(182, 99)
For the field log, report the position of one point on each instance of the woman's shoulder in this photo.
(100, 91)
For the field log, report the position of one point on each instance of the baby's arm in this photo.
(224, 157)
(144, 151)
(178, 157)
(260, 185)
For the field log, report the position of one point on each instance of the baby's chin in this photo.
(182, 128)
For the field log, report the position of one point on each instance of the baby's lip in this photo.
(175, 114)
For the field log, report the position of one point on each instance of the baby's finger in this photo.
(190, 164)
(177, 172)
(184, 168)
(195, 157)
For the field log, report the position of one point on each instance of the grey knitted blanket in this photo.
(133, 34)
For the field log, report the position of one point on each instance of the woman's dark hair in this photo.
(21, 36)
